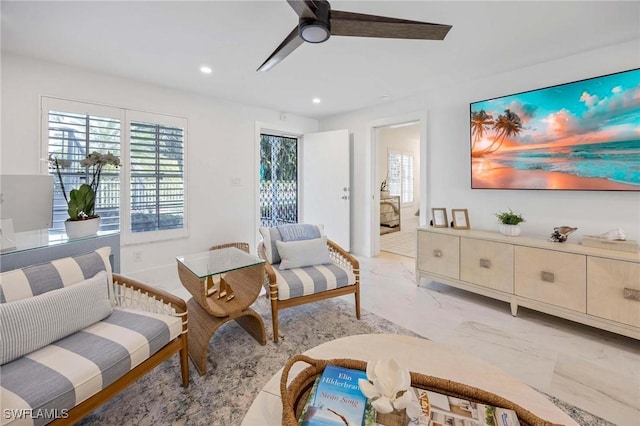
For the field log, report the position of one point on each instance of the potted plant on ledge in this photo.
(510, 223)
(82, 221)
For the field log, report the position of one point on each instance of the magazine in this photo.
(336, 399)
(444, 410)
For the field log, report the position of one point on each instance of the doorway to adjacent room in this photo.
(398, 167)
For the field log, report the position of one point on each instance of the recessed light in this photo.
(205, 69)
(316, 100)
(384, 98)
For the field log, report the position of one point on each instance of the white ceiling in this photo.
(165, 43)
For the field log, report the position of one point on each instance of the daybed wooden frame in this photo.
(338, 255)
(130, 293)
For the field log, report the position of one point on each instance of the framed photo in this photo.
(460, 218)
(439, 218)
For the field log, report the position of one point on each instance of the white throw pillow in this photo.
(298, 254)
(32, 323)
(269, 238)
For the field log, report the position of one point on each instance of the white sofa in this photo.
(74, 335)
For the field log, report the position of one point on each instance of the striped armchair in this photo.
(293, 287)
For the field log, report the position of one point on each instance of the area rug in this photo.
(238, 367)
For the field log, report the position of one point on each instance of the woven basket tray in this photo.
(295, 395)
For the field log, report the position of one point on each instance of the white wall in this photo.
(448, 162)
(221, 147)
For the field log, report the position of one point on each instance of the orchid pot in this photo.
(82, 228)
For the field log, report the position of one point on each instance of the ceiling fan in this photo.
(318, 22)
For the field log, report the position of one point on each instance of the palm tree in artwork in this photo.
(480, 122)
(506, 125)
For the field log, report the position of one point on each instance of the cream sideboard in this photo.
(592, 286)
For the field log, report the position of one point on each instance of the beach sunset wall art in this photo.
(583, 135)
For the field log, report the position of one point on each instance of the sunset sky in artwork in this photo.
(603, 109)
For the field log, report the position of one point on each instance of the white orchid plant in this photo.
(387, 386)
(81, 201)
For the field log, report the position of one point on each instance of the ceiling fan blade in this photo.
(290, 43)
(362, 25)
(304, 8)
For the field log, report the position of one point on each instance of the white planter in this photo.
(385, 193)
(82, 228)
(510, 230)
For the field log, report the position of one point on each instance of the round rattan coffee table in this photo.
(418, 355)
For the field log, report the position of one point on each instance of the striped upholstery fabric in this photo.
(37, 279)
(311, 279)
(69, 371)
(32, 323)
(270, 236)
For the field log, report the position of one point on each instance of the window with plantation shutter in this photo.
(71, 136)
(400, 180)
(157, 177)
(145, 198)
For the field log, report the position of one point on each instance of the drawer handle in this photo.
(547, 276)
(632, 294)
(485, 263)
(437, 253)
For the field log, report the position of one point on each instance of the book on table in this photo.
(335, 399)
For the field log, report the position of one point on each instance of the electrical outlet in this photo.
(137, 255)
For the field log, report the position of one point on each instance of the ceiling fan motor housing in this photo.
(316, 30)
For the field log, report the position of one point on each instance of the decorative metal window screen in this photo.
(71, 137)
(278, 180)
(400, 179)
(157, 177)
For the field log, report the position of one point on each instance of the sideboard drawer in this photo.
(613, 290)
(552, 277)
(487, 263)
(439, 254)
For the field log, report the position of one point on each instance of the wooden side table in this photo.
(224, 283)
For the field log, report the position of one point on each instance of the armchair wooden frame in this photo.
(129, 293)
(337, 255)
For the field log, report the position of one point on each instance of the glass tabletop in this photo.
(213, 262)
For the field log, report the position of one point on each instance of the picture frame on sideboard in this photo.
(460, 219)
(439, 216)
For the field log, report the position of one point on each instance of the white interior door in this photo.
(325, 195)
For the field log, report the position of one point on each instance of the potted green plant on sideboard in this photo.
(510, 223)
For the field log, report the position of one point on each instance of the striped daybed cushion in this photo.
(38, 279)
(311, 280)
(69, 371)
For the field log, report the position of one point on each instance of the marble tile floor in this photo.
(592, 369)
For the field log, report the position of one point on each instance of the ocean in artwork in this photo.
(617, 162)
